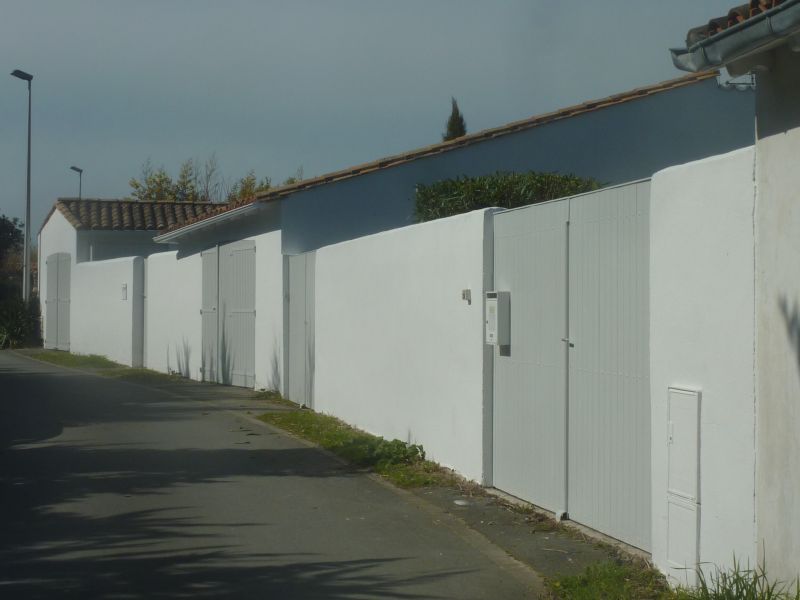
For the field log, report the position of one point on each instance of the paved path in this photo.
(114, 490)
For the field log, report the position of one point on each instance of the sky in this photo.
(272, 85)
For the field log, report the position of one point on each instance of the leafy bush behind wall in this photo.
(506, 190)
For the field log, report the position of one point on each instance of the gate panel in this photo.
(301, 328)
(51, 303)
(609, 397)
(237, 301)
(64, 263)
(208, 313)
(530, 247)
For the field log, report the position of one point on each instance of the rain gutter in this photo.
(741, 41)
(210, 222)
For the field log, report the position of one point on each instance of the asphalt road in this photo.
(115, 490)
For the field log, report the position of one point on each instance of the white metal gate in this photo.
(228, 314)
(300, 368)
(209, 315)
(57, 301)
(571, 402)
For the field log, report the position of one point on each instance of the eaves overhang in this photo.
(207, 224)
(734, 46)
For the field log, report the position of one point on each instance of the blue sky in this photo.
(275, 85)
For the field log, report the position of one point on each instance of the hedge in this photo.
(506, 190)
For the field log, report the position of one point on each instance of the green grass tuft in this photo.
(739, 583)
(103, 366)
(624, 581)
(612, 581)
(137, 375)
(403, 464)
(66, 359)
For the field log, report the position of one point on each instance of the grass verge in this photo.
(613, 580)
(402, 464)
(78, 361)
(102, 366)
(633, 580)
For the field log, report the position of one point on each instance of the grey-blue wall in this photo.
(613, 145)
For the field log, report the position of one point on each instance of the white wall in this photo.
(269, 311)
(173, 325)
(398, 352)
(57, 235)
(778, 315)
(102, 321)
(702, 337)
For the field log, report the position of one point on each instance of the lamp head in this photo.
(22, 75)
(77, 169)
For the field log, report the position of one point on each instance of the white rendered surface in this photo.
(269, 311)
(399, 353)
(701, 338)
(778, 316)
(57, 235)
(172, 314)
(102, 322)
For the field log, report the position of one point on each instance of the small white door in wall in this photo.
(683, 492)
(57, 301)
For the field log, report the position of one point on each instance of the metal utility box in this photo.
(498, 318)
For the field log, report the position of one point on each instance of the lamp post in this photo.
(79, 171)
(26, 270)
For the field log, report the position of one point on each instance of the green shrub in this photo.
(19, 322)
(505, 190)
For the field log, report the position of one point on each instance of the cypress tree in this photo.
(456, 126)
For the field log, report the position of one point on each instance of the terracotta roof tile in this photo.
(736, 15)
(127, 215)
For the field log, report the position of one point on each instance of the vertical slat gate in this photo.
(301, 328)
(51, 303)
(571, 393)
(209, 316)
(609, 399)
(57, 301)
(237, 313)
(530, 376)
(64, 263)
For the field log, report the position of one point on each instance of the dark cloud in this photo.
(273, 85)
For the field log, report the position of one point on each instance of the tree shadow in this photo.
(153, 554)
(183, 356)
(791, 318)
(123, 519)
(276, 367)
(310, 375)
(225, 354)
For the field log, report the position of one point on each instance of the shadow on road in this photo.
(55, 544)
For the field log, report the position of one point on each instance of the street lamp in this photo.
(79, 171)
(26, 271)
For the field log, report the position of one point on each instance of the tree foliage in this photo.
(11, 235)
(11, 253)
(456, 126)
(196, 182)
(248, 186)
(18, 319)
(506, 190)
(297, 177)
